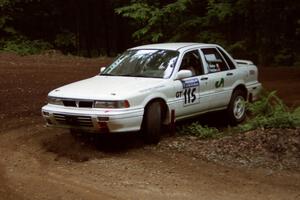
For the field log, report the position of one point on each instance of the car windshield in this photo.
(150, 63)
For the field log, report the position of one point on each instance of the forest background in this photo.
(265, 31)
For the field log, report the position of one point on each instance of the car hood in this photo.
(107, 88)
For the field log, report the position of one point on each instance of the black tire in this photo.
(236, 110)
(152, 123)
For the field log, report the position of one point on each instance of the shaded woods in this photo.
(266, 31)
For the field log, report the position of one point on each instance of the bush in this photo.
(270, 112)
(23, 46)
(296, 116)
(285, 57)
(66, 41)
(196, 129)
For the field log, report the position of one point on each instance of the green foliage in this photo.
(196, 129)
(65, 40)
(239, 49)
(219, 10)
(4, 3)
(154, 21)
(177, 22)
(248, 29)
(5, 14)
(270, 112)
(24, 46)
(285, 57)
(296, 116)
(251, 29)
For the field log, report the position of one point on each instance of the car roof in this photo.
(171, 46)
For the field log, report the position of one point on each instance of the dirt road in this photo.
(41, 163)
(38, 163)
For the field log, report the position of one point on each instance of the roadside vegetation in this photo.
(270, 112)
(198, 130)
(267, 113)
(23, 46)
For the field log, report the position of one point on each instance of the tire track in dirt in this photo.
(134, 171)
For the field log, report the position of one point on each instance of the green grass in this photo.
(196, 129)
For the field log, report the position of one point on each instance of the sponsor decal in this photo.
(190, 83)
(190, 89)
(219, 83)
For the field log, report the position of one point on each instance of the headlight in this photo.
(55, 101)
(112, 104)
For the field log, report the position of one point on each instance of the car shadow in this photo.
(117, 142)
(217, 119)
(82, 147)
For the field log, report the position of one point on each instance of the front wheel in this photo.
(152, 123)
(237, 108)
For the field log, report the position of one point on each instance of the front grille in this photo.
(79, 104)
(70, 103)
(85, 104)
(83, 121)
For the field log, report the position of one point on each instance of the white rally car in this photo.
(151, 85)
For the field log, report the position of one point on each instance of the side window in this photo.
(228, 60)
(214, 60)
(192, 61)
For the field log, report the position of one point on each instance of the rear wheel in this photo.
(237, 109)
(152, 123)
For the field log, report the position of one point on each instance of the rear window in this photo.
(228, 60)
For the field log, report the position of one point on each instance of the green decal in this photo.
(220, 83)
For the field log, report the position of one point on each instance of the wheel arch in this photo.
(242, 88)
(164, 107)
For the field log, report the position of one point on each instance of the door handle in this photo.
(204, 78)
(229, 74)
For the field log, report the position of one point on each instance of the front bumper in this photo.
(93, 120)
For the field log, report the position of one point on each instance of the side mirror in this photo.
(102, 69)
(183, 74)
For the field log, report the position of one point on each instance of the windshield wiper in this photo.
(106, 75)
(129, 75)
(134, 75)
(140, 75)
(137, 75)
(126, 75)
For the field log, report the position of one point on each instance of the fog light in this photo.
(45, 113)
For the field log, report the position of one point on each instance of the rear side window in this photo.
(214, 60)
(228, 60)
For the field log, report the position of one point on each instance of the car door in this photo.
(191, 93)
(220, 78)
